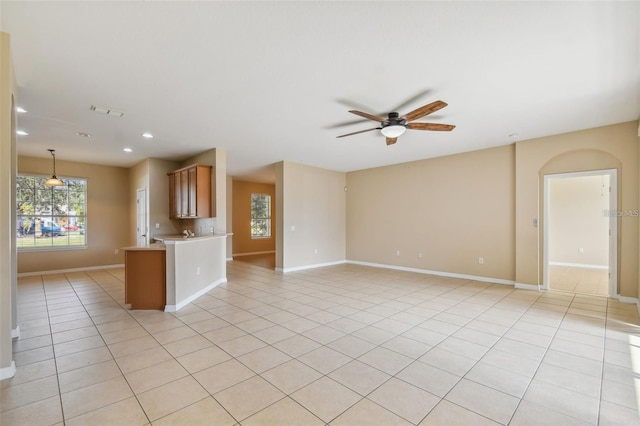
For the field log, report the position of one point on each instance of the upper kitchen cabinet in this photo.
(190, 192)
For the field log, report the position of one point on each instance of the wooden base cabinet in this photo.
(145, 279)
(190, 192)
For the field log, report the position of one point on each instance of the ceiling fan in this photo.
(395, 125)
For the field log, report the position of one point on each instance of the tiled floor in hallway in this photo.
(342, 345)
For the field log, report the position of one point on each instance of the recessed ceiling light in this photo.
(147, 135)
(21, 133)
(83, 135)
(127, 150)
(20, 110)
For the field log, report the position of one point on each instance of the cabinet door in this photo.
(175, 198)
(184, 191)
(193, 192)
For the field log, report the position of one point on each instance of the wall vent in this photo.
(107, 111)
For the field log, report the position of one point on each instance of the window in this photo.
(260, 216)
(50, 217)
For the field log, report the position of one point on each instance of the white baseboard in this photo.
(521, 286)
(183, 303)
(430, 272)
(314, 266)
(252, 253)
(8, 372)
(579, 265)
(15, 333)
(64, 271)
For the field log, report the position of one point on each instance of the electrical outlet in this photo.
(197, 270)
(315, 251)
(580, 250)
(157, 226)
(481, 260)
(419, 255)
(397, 252)
(116, 251)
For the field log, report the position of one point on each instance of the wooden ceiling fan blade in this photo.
(369, 116)
(431, 126)
(391, 141)
(425, 110)
(360, 131)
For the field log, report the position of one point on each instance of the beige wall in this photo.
(242, 241)
(8, 291)
(108, 218)
(158, 195)
(138, 179)
(609, 147)
(310, 208)
(452, 209)
(577, 222)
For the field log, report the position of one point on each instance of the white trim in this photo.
(15, 333)
(64, 271)
(430, 272)
(579, 265)
(625, 299)
(229, 259)
(183, 303)
(305, 267)
(8, 372)
(252, 253)
(521, 286)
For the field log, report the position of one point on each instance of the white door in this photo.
(141, 217)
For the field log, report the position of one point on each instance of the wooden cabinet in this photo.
(190, 192)
(145, 279)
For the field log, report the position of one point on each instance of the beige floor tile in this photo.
(87, 376)
(570, 403)
(446, 413)
(297, 345)
(78, 345)
(291, 376)
(531, 414)
(359, 377)
(155, 375)
(125, 413)
(385, 360)
(241, 345)
(405, 400)
(617, 415)
(171, 397)
(28, 393)
(366, 412)
(326, 398)
(499, 379)
(324, 359)
(264, 359)
(273, 334)
(222, 376)
(204, 358)
(44, 412)
(323, 334)
(174, 334)
(133, 346)
(487, 402)
(285, 412)
(209, 325)
(31, 372)
(143, 359)
(374, 335)
(24, 344)
(33, 355)
(123, 335)
(83, 359)
(202, 413)
(224, 334)
(247, 398)
(448, 361)
(429, 378)
(569, 379)
(621, 394)
(91, 398)
(187, 346)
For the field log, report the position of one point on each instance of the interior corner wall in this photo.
(313, 216)
(8, 167)
(158, 198)
(608, 147)
(229, 251)
(451, 210)
(242, 241)
(108, 216)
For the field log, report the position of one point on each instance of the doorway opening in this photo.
(141, 217)
(580, 232)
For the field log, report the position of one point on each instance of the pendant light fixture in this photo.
(53, 180)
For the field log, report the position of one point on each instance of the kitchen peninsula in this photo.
(187, 267)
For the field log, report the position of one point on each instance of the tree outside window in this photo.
(50, 217)
(260, 216)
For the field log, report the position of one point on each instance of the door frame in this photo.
(613, 224)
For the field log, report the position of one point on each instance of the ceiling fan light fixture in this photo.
(393, 131)
(53, 180)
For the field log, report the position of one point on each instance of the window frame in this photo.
(60, 219)
(267, 219)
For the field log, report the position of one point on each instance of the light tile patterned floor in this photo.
(343, 345)
(579, 280)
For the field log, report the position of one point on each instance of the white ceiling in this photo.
(271, 81)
